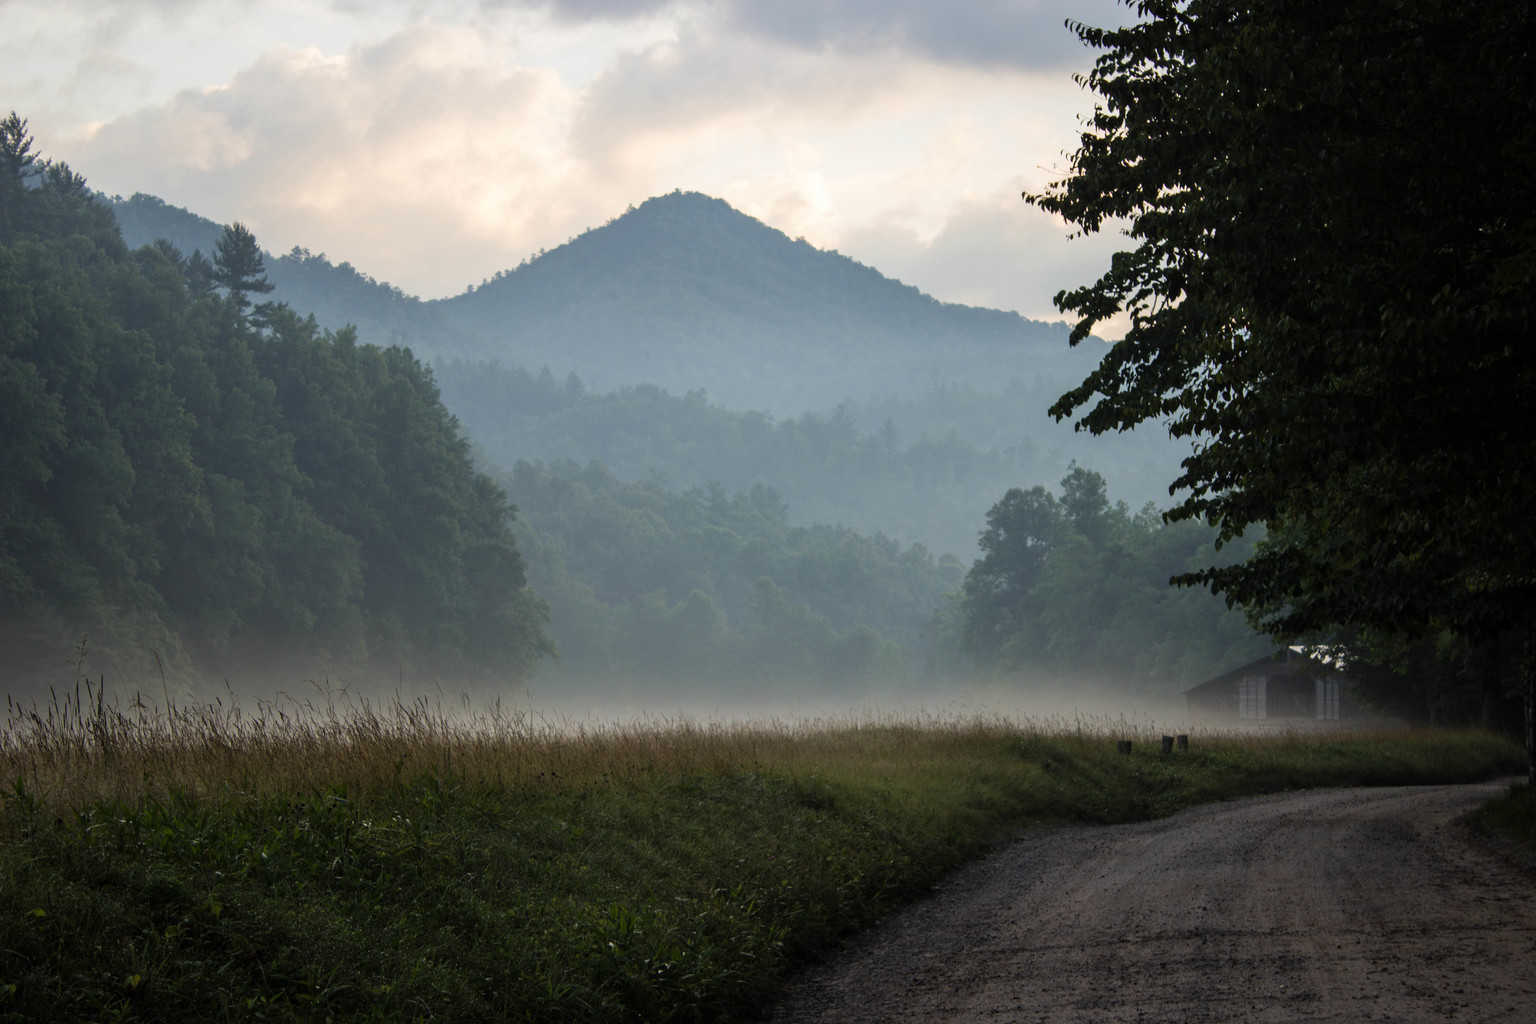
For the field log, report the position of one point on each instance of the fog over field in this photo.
(405, 496)
(1057, 703)
(664, 434)
(574, 510)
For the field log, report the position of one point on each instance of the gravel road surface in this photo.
(1329, 905)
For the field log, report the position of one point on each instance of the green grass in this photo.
(402, 864)
(1511, 821)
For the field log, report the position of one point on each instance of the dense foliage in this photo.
(1075, 584)
(1331, 288)
(716, 588)
(177, 470)
(336, 294)
(931, 490)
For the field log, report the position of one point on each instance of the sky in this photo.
(431, 144)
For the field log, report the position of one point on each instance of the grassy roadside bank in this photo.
(1510, 822)
(401, 865)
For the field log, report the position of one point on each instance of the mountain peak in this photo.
(681, 220)
(685, 292)
(688, 292)
(680, 199)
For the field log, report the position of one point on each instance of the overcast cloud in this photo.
(1002, 33)
(433, 143)
(1010, 33)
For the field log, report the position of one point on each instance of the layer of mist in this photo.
(680, 465)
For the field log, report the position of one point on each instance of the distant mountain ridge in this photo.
(337, 294)
(924, 411)
(698, 243)
(686, 292)
(683, 292)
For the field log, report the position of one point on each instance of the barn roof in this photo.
(1291, 659)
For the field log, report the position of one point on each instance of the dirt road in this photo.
(1331, 905)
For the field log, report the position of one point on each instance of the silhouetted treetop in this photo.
(238, 264)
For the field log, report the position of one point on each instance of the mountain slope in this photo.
(682, 292)
(688, 293)
(337, 295)
(226, 496)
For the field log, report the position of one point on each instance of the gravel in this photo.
(1329, 905)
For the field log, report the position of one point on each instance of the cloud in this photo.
(984, 33)
(987, 33)
(696, 83)
(438, 154)
(997, 252)
(422, 156)
(586, 10)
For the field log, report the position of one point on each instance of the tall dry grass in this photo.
(80, 747)
(339, 857)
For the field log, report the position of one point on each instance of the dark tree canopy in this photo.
(175, 477)
(201, 275)
(238, 264)
(1075, 584)
(705, 588)
(1021, 528)
(1330, 285)
(16, 157)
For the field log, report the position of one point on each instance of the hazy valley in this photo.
(626, 628)
(742, 469)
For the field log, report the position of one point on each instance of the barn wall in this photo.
(1290, 693)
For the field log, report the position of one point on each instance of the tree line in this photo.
(1069, 583)
(211, 476)
(706, 586)
(1330, 290)
(931, 489)
(225, 481)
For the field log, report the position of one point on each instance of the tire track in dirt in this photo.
(1325, 905)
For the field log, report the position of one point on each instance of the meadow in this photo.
(410, 860)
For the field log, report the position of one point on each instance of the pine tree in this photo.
(17, 163)
(238, 265)
(16, 158)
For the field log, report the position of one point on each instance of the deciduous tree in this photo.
(1330, 283)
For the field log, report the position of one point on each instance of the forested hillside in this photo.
(852, 465)
(926, 490)
(337, 295)
(1070, 583)
(682, 292)
(195, 481)
(333, 512)
(919, 457)
(717, 592)
(686, 293)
